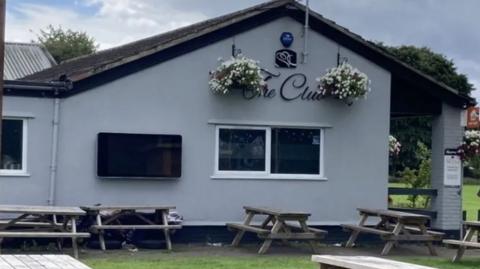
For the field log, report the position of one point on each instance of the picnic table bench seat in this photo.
(26, 234)
(247, 228)
(30, 224)
(366, 229)
(468, 241)
(134, 227)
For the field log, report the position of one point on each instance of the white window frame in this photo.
(223, 174)
(23, 171)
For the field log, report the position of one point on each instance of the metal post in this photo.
(2, 60)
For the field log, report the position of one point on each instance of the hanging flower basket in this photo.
(393, 146)
(471, 145)
(345, 83)
(237, 73)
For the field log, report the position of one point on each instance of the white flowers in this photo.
(237, 73)
(344, 82)
(393, 146)
(471, 144)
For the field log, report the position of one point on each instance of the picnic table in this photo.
(468, 240)
(40, 262)
(42, 222)
(276, 225)
(114, 220)
(393, 227)
(361, 262)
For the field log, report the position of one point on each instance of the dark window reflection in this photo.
(295, 151)
(12, 136)
(241, 150)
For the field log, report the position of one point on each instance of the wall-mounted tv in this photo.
(121, 155)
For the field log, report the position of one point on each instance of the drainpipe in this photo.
(53, 160)
(305, 33)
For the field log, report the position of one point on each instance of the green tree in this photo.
(409, 131)
(66, 44)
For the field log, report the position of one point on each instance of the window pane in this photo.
(295, 151)
(12, 135)
(241, 150)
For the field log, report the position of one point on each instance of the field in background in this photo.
(471, 202)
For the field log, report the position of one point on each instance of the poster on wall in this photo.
(452, 170)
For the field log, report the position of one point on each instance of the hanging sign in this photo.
(452, 168)
(473, 119)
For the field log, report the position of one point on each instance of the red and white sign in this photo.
(473, 117)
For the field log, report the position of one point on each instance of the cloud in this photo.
(115, 22)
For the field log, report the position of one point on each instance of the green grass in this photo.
(254, 262)
(471, 202)
(209, 262)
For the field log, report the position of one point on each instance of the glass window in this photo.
(269, 152)
(12, 158)
(241, 150)
(295, 151)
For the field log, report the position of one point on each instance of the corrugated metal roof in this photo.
(23, 59)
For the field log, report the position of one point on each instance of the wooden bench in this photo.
(277, 225)
(42, 222)
(115, 218)
(361, 262)
(393, 227)
(471, 228)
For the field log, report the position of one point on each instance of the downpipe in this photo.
(305, 33)
(53, 159)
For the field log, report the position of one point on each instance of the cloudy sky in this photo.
(447, 26)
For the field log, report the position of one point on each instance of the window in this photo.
(14, 147)
(270, 152)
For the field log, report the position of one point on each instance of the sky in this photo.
(449, 27)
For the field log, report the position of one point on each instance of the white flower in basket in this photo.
(237, 73)
(393, 146)
(345, 83)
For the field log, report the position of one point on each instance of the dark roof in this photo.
(92, 70)
(22, 59)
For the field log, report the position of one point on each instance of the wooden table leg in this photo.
(101, 238)
(461, 249)
(240, 233)
(166, 231)
(312, 243)
(74, 238)
(429, 244)
(354, 235)
(396, 231)
(266, 245)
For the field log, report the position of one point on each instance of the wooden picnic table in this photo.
(361, 262)
(276, 225)
(42, 222)
(40, 262)
(114, 220)
(393, 227)
(471, 227)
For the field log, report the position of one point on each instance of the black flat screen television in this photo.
(122, 155)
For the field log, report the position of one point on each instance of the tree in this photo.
(66, 44)
(431, 63)
(410, 131)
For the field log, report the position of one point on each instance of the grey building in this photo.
(159, 85)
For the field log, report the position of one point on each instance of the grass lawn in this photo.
(254, 262)
(471, 202)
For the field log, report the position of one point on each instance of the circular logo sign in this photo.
(287, 39)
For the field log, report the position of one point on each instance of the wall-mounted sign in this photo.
(287, 39)
(452, 168)
(286, 58)
(473, 117)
